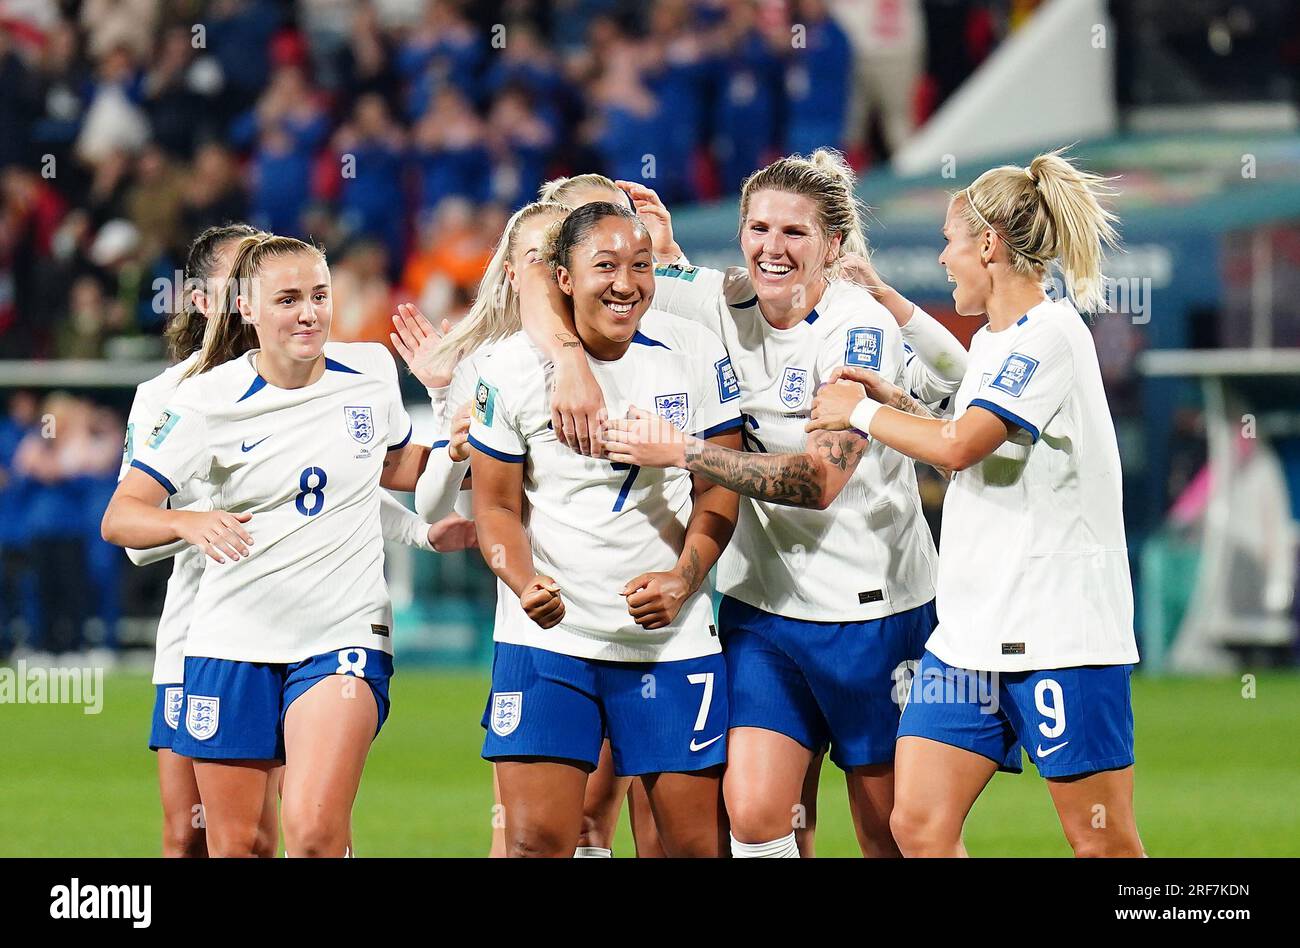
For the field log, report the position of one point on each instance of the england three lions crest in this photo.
(794, 387)
(172, 706)
(507, 708)
(361, 423)
(201, 716)
(673, 409)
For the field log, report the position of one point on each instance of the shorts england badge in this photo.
(794, 387)
(673, 409)
(361, 423)
(201, 717)
(1015, 374)
(485, 397)
(172, 706)
(507, 708)
(863, 348)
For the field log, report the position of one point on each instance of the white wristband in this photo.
(863, 413)
(437, 396)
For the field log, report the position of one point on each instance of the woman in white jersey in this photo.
(206, 269)
(1035, 643)
(608, 628)
(829, 584)
(296, 435)
(448, 366)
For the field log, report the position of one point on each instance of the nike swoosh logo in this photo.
(699, 747)
(246, 447)
(1050, 750)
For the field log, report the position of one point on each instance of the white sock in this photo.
(592, 852)
(783, 848)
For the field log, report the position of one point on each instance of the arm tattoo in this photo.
(841, 449)
(906, 403)
(795, 480)
(568, 340)
(692, 571)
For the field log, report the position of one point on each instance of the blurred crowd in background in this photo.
(397, 134)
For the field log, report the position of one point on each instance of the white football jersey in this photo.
(594, 525)
(1033, 570)
(151, 398)
(870, 553)
(306, 464)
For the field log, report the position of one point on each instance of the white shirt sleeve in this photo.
(935, 362)
(176, 447)
(140, 419)
(1033, 380)
(400, 524)
(865, 343)
(493, 427)
(400, 427)
(694, 293)
(717, 404)
(438, 488)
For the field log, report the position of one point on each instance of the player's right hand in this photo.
(458, 446)
(654, 214)
(541, 601)
(877, 387)
(215, 532)
(415, 341)
(577, 407)
(857, 268)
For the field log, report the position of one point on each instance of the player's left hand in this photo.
(654, 599)
(458, 446)
(415, 341)
(452, 533)
(645, 440)
(834, 404)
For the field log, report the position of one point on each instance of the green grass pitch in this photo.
(1217, 776)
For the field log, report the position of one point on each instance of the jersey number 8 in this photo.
(315, 491)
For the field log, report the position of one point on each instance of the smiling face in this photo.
(966, 259)
(785, 249)
(290, 306)
(610, 276)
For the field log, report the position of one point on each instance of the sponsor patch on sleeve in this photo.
(166, 422)
(863, 348)
(728, 387)
(485, 399)
(1015, 374)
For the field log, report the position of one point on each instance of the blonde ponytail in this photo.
(1050, 212)
(227, 334)
(826, 178)
(562, 190)
(494, 313)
